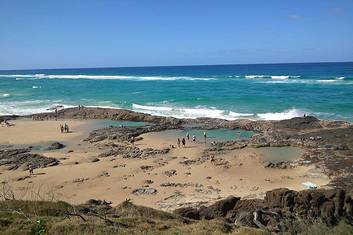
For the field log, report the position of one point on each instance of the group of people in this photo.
(64, 128)
(182, 142)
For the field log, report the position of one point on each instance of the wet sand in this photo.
(77, 178)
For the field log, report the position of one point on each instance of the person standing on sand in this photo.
(30, 169)
(183, 142)
(188, 136)
(61, 128)
(205, 136)
(66, 128)
(133, 140)
(193, 138)
(178, 143)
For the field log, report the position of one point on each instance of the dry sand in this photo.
(114, 179)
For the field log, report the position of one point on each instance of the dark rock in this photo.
(23, 178)
(219, 209)
(282, 197)
(148, 181)
(103, 174)
(188, 212)
(16, 158)
(146, 168)
(95, 160)
(146, 191)
(55, 146)
(170, 173)
(80, 180)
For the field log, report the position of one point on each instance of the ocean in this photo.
(259, 91)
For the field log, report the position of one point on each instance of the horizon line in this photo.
(191, 65)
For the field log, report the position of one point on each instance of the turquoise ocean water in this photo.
(267, 91)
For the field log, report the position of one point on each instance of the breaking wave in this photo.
(196, 112)
(287, 114)
(211, 112)
(29, 107)
(39, 106)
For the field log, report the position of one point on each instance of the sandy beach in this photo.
(174, 179)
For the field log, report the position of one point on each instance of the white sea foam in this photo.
(103, 77)
(186, 112)
(36, 87)
(234, 114)
(152, 108)
(308, 81)
(287, 114)
(340, 78)
(5, 95)
(277, 77)
(140, 78)
(326, 81)
(29, 106)
(280, 77)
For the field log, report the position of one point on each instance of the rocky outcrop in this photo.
(105, 113)
(279, 207)
(23, 158)
(131, 151)
(298, 123)
(123, 133)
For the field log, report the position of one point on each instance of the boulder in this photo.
(55, 146)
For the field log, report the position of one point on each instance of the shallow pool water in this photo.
(279, 154)
(107, 123)
(212, 135)
(98, 124)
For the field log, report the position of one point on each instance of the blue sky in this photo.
(58, 34)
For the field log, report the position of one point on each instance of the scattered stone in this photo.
(144, 191)
(120, 165)
(188, 162)
(170, 173)
(280, 165)
(146, 168)
(23, 178)
(104, 174)
(80, 180)
(148, 181)
(95, 159)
